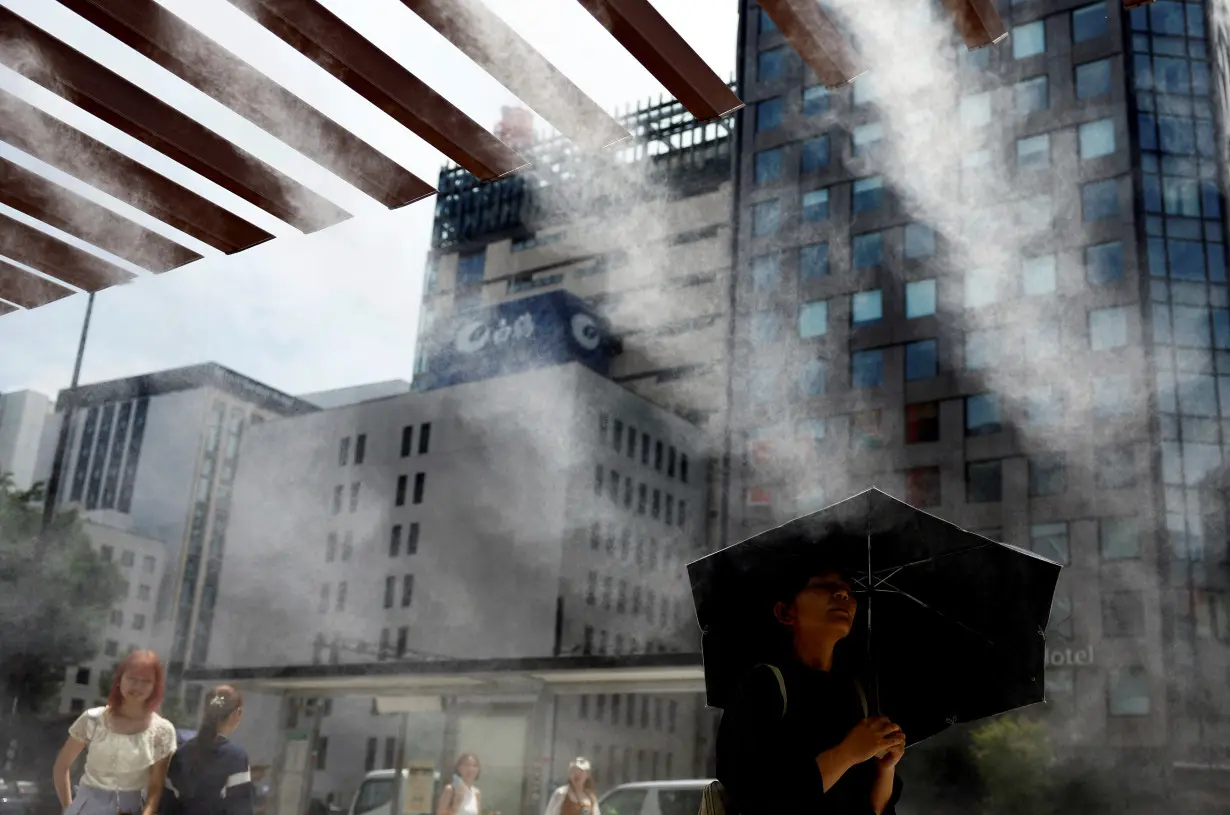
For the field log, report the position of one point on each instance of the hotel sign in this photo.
(1069, 657)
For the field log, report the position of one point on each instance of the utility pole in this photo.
(57, 463)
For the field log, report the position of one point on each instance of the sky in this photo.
(301, 313)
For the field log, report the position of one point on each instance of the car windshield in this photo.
(375, 793)
(679, 802)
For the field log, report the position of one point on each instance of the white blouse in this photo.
(121, 761)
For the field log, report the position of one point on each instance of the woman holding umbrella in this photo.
(796, 737)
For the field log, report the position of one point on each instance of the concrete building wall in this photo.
(23, 416)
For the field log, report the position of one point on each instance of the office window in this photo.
(1048, 475)
(815, 205)
(771, 63)
(147, 564)
(341, 596)
(407, 590)
(402, 483)
(919, 241)
(1128, 692)
(815, 154)
(1029, 40)
(769, 114)
(975, 110)
(395, 540)
(768, 166)
(863, 92)
(868, 250)
(1100, 200)
(1038, 275)
(343, 453)
(360, 448)
(919, 298)
(106, 552)
(1115, 467)
(984, 482)
(424, 438)
(1097, 139)
(867, 307)
(922, 486)
(111, 648)
(766, 327)
(1051, 541)
(1089, 22)
(867, 368)
(1123, 614)
(866, 137)
(1093, 79)
(331, 547)
(1032, 95)
(1119, 537)
(338, 493)
(1112, 395)
(814, 378)
(407, 440)
(868, 194)
(982, 349)
(982, 415)
(138, 622)
(813, 319)
(617, 436)
(420, 483)
(921, 360)
(1104, 263)
(1034, 152)
(767, 26)
(922, 422)
(981, 288)
(766, 271)
(390, 590)
(354, 497)
(816, 100)
(766, 218)
(1108, 328)
(412, 539)
(813, 261)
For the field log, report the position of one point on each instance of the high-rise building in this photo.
(23, 420)
(1073, 399)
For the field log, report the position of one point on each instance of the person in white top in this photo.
(128, 746)
(461, 797)
(579, 796)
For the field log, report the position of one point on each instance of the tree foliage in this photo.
(1014, 759)
(56, 594)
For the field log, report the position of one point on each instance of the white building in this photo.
(155, 455)
(141, 563)
(541, 513)
(342, 397)
(23, 419)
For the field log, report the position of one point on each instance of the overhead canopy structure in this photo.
(37, 268)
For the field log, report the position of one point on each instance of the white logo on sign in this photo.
(585, 331)
(475, 336)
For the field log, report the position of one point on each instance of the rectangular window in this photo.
(867, 307)
(1047, 475)
(341, 596)
(617, 436)
(919, 298)
(921, 360)
(1097, 139)
(815, 206)
(922, 422)
(331, 547)
(138, 622)
(1038, 275)
(919, 241)
(813, 261)
(354, 497)
(599, 478)
(360, 448)
(395, 541)
(412, 541)
(816, 100)
(765, 327)
(922, 486)
(1089, 22)
(868, 194)
(343, 453)
(867, 368)
(1029, 40)
(147, 564)
(1034, 152)
(1119, 538)
(1093, 79)
(1104, 263)
(1115, 467)
(865, 138)
(974, 111)
(424, 438)
(407, 590)
(766, 271)
(1032, 95)
(1100, 200)
(390, 590)
(1123, 614)
(981, 288)
(402, 483)
(766, 218)
(868, 250)
(984, 481)
(1051, 541)
(339, 493)
(813, 319)
(767, 166)
(771, 63)
(982, 415)
(1043, 407)
(769, 114)
(982, 349)
(1128, 692)
(420, 484)
(1112, 395)
(814, 377)
(1108, 328)
(815, 154)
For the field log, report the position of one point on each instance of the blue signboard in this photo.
(520, 335)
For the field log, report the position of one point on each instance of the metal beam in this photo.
(93, 88)
(166, 39)
(817, 39)
(315, 32)
(57, 259)
(494, 46)
(48, 139)
(646, 35)
(977, 21)
(5, 308)
(95, 224)
(28, 290)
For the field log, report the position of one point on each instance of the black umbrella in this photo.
(950, 625)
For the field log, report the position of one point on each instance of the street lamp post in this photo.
(57, 462)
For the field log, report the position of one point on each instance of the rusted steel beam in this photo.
(5, 308)
(499, 50)
(315, 32)
(164, 38)
(977, 21)
(145, 117)
(28, 290)
(48, 139)
(817, 39)
(645, 34)
(95, 224)
(57, 259)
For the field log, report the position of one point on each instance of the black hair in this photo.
(220, 703)
(789, 583)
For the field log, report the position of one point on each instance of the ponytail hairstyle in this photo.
(220, 703)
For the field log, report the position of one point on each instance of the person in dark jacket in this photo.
(210, 775)
(805, 744)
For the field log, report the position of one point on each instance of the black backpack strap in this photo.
(781, 684)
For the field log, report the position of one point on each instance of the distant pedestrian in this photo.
(579, 796)
(128, 746)
(211, 775)
(461, 796)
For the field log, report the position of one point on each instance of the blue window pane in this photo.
(1211, 199)
(1195, 20)
(1217, 262)
(919, 298)
(767, 26)
(919, 241)
(769, 114)
(816, 205)
(815, 378)
(1100, 199)
(1190, 326)
(1186, 259)
(1096, 139)
(867, 307)
(1200, 78)
(766, 218)
(1032, 95)
(766, 326)
(816, 100)
(1093, 79)
(815, 154)
(1148, 132)
(867, 368)
(814, 261)
(982, 415)
(771, 64)
(766, 272)
(1142, 67)
(768, 166)
(1221, 329)
(1104, 263)
(1197, 396)
(921, 360)
(1089, 22)
(868, 194)
(814, 319)
(1205, 143)
(1170, 75)
(868, 250)
(1140, 18)
(1152, 189)
(1029, 40)
(1166, 17)
(1157, 257)
(1182, 197)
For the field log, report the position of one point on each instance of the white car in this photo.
(375, 795)
(654, 798)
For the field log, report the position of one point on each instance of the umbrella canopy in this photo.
(950, 625)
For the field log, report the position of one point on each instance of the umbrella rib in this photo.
(894, 569)
(941, 614)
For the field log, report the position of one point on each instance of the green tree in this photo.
(56, 595)
(1014, 758)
